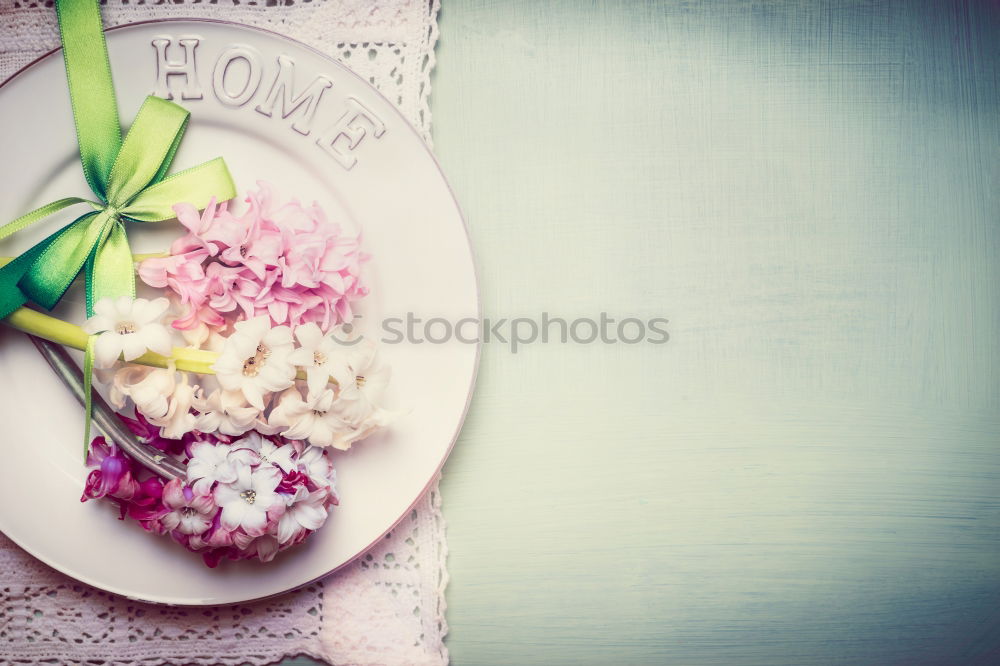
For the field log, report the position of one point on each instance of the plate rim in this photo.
(479, 314)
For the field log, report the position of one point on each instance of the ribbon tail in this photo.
(109, 275)
(110, 271)
(91, 91)
(56, 267)
(11, 296)
(39, 214)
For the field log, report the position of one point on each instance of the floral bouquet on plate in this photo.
(244, 375)
(262, 291)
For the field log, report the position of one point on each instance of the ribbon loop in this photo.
(147, 151)
(196, 186)
(128, 176)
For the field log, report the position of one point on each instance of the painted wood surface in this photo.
(808, 472)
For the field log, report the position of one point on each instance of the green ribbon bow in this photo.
(128, 176)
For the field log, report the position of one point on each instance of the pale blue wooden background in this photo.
(809, 471)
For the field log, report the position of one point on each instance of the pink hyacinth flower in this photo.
(189, 513)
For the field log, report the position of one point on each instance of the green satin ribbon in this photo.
(127, 176)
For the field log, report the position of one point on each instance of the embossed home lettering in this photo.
(187, 67)
(348, 127)
(236, 80)
(282, 89)
(223, 89)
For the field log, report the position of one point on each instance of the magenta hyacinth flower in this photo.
(113, 474)
(279, 493)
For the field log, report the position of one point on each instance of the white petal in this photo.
(106, 308)
(283, 458)
(302, 428)
(288, 528)
(202, 486)
(287, 408)
(310, 516)
(196, 337)
(124, 306)
(133, 346)
(209, 422)
(324, 401)
(228, 472)
(234, 513)
(157, 339)
(244, 477)
(322, 434)
(254, 518)
(255, 328)
(317, 378)
(267, 548)
(253, 394)
(225, 494)
(276, 378)
(107, 348)
(178, 426)
(198, 468)
(232, 427)
(242, 346)
(245, 457)
(266, 480)
(375, 383)
(99, 323)
(279, 336)
(156, 308)
(309, 335)
(302, 357)
(230, 381)
(361, 355)
(137, 312)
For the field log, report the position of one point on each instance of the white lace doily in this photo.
(387, 607)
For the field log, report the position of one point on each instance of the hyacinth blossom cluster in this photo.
(255, 385)
(283, 261)
(262, 296)
(243, 498)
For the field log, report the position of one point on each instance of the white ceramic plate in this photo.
(421, 263)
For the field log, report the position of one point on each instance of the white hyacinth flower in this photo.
(128, 328)
(213, 462)
(307, 511)
(149, 388)
(318, 467)
(226, 412)
(255, 360)
(246, 500)
(361, 383)
(319, 355)
(317, 421)
(178, 419)
(268, 452)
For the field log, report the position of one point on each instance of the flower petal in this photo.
(107, 349)
(234, 513)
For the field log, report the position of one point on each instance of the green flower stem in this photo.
(62, 332)
(70, 335)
